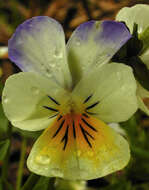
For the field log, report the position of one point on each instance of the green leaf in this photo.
(140, 71)
(28, 134)
(144, 37)
(31, 181)
(4, 145)
(1, 88)
(1, 185)
(8, 185)
(140, 152)
(43, 183)
(3, 122)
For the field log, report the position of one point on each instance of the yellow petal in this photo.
(78, 147)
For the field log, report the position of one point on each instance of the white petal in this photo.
(113, 87)
(24, 96)
(145, 58)
(138, 14)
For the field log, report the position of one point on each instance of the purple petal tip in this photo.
(84, 29)
(112, 30)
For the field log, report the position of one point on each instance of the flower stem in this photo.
(31, 181)
(21, 164)
(6, 160)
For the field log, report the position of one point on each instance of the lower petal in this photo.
(78, 147)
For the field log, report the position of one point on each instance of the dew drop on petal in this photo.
(43, 159)
(58, 54)
(79, 153)
(49, 75)
(6, 100)
(78, 43)
(35, 90)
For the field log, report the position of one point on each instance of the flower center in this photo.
(73, 120)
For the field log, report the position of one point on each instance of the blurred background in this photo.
(70, 13)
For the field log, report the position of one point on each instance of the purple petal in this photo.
(94, 43)
(112, 31)
(39, 45)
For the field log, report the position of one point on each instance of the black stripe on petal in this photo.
(74, 132)
(85, 115)
(53, 116)
(85, 136)
(87, 99)
(89, 125)
(65, 138)
(56, 102)
(91, 113)
(92, 106)
(61, 125)
(60, 117)
(49, 108)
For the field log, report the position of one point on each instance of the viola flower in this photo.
(71, 92)
(139, 15)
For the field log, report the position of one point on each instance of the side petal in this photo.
(94, 43)
(24, 97)
(137, 14)
(112, 92)
(145, 58)
(39, 45)
(98, 154)
(143, 99)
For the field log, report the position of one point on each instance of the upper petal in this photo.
(24, 97)
(94, 43)
(112, 92)
(137, 14)
(39, 45)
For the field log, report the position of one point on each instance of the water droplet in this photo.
(49, 75)
(56, 172)
(52, 65)
(43, 159)
(58, 54)
(79, 152)
(78, 42)
(6, 100)
(35, 90)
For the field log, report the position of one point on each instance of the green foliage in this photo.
(3, 123)
(4, 145)
(28, 134)
(144, 37)
(129, 55)
(43, 183)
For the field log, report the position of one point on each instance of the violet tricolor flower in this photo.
(70, 92)
(139, 15)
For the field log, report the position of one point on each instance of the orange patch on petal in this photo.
(82, 132)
